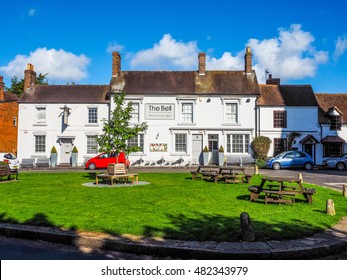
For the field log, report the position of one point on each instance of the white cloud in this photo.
(340, 47)
(32, 12)
(167, 54)
(289, 56)
(114, 47)
(59, 64)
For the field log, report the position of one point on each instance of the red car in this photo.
(102, 160)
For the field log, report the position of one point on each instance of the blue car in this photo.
(291, 159)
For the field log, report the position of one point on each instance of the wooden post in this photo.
(330, 207)
(344, 190)
(246, 227)
(256, 170)
(300, 177)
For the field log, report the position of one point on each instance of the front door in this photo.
(213, 147)
(65, 150)
(197, 149)
(309, 148)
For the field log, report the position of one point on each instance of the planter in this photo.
(205, 158)
(54, 160)
(221, 159)
(74, 158)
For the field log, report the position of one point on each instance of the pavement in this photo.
(318, 246)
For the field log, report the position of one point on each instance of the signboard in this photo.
(155, 147)
(160, 111)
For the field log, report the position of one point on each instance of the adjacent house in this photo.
(8, 120)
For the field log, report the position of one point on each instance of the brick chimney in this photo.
(248, 61)
(273, 81)
(2, 89)
(116, 64)
(202, 63)
(29, 76)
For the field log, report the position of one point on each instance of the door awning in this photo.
(309, 139)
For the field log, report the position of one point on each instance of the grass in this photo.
(171, 206)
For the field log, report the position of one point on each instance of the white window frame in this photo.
(226, 113)
(89, 116)
(181, 102)
(140, 140)
(89, 149)
(245, 146)
(135, 114)
(187, 116)
(36, 144)
(185, 151)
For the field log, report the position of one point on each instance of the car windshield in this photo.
(10, 156)
(280, 155)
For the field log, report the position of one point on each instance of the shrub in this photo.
(53, 150)
(261, 147)
(74, 150)
(260, 163)
(205, 150)
(221, 149)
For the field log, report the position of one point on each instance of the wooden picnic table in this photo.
(281, 190)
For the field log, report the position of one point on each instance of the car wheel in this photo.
(276, 166)
(308, 166)
(92, 166)
(340, 166)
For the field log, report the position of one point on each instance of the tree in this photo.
(17, 87)
(261, 147)
(117, 131)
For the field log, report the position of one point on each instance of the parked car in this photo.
(340, 163)
(11, 160)
(102, 160)
(291, 159)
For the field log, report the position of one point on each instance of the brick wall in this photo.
(9, 132)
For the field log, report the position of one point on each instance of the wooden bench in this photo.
(117, 172)
(233, 174)
(278, 196)
(206, 172)
(6, 171)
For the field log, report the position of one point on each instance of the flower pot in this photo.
(74, 158)
(206, 158)
(54, 160)
(221, 159)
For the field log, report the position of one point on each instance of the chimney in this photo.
(273, 81)
(248, 61)
(116, 61)
(202, 63)
(2, 89)
(29, 76)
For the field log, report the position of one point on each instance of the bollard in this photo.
(344, 190)
(300, 177)
(256, 170)
(246, 228)
(330, 207)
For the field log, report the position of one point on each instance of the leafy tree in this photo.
(17, 87)
(116, 130)
(261, 147)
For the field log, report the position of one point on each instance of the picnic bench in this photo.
(277, 190)
(117, 172)
(6, 171)
(233, 174)
(205, 172)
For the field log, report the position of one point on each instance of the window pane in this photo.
(137, 141)
(231, 113)
(187, 112)
(181, 143)
(93, 115)
(135, 113)
(280, 119)
(92, 145)
(40, 144)
(335, 122)
(237, 143)
(280, 145)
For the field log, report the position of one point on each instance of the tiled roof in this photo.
(286, 95)
(9, 97)
(65, 94)
(186, 82)
(332, 139)
(327, 101)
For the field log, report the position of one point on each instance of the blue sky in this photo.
(301, 42)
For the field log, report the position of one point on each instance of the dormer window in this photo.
(334, 115)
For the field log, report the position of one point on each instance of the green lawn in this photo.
(171, 206)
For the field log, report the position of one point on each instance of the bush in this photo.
(205, 150)
(261, 163)
(74, 150)
(221, 149)
(53, 150)
(261, 147)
